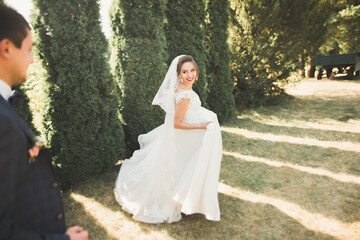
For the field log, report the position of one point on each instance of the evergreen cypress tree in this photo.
(80, 113)
(23, 109)
(185, 34)
(139, 63)
(220, 98)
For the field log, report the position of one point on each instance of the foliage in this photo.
(267, 38)
(314, 32)
(22, 108)
(344, 29)
(185, 34)
(139, 63)
(220, 98)
(334, 27)
(80, 116)
(259, 59)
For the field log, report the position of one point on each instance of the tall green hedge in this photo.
(80, 110)
(22, 107)
(185, 34)
(220, 98)
(139, 59)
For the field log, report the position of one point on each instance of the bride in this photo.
(176, 169)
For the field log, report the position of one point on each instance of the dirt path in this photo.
(335, 103)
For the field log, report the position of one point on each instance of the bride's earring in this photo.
(181, 80)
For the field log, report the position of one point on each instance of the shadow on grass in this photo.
(240, 219)
(318, 134)
(100, 188)
(247, 220)
(75, 214)
(317, 194)
(331, 159)
(315, 108)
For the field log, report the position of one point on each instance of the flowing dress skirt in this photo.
(174, 171)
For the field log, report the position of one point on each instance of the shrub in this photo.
(80, 114)
(139, 63)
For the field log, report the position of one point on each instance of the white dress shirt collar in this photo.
(5, 90)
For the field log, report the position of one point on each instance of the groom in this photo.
(31, 206)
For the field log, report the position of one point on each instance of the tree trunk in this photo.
(310, 73)
(319, 74)
(301, 65)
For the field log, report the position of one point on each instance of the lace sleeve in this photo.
(183, 94)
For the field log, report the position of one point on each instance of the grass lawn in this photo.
(290, 171)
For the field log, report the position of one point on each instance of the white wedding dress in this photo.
(174, 170)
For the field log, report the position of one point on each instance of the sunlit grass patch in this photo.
(290, 171)
(321, 172)
(331, 159)
(313, 191)
(316, 222)
(347, 146)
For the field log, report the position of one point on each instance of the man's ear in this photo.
(5, 45)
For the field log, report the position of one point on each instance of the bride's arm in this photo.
(180, 111)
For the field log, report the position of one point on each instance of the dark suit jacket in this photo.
(31, 206)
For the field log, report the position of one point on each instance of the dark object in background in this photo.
(348, 63)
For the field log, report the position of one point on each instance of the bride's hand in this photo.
(204, 125)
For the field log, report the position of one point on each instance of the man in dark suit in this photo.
(30, 202)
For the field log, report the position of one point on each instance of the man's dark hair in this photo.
(13, 25)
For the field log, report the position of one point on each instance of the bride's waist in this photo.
(200, 116)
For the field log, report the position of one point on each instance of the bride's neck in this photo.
(183, 87)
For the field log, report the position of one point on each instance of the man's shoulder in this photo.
(7, 117)
(4, 108)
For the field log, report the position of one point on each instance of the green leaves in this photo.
(139, 63)
(220, 98)
(267, 39)
(185, 34)
(344, 27)
(80, 111)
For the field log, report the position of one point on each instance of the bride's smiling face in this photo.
(188, 73)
